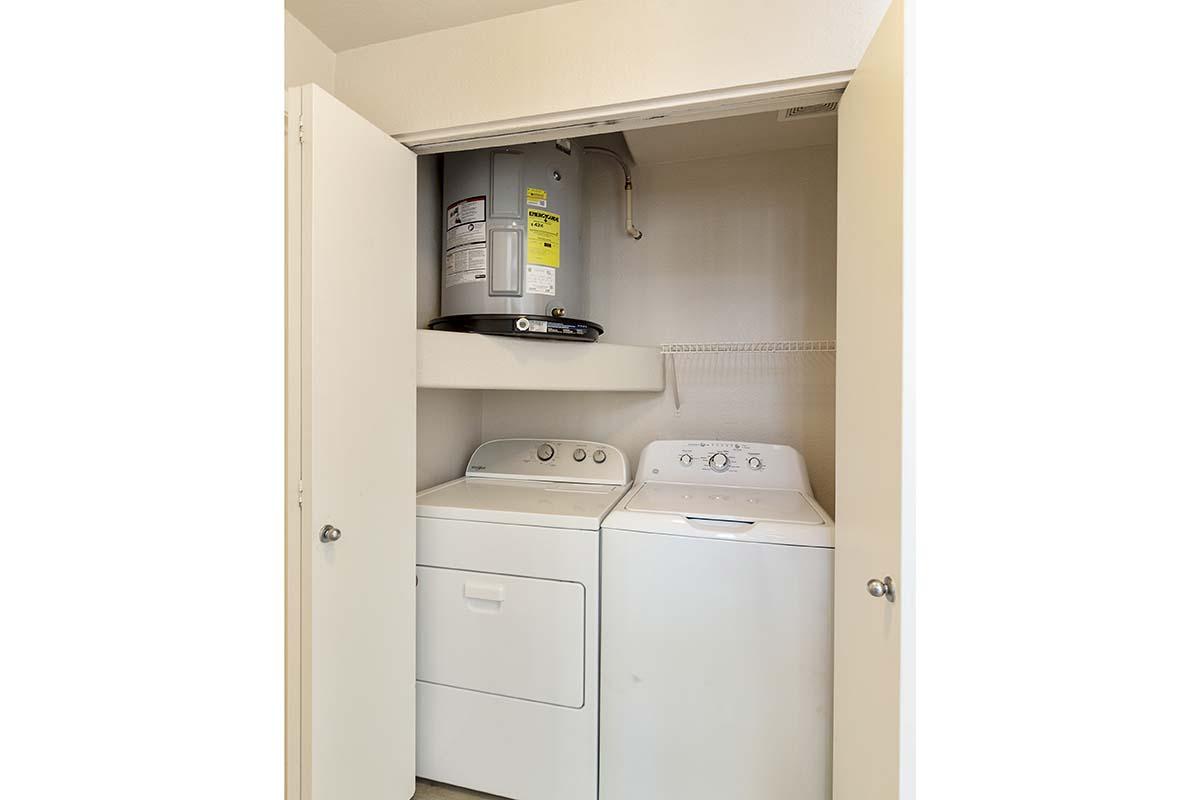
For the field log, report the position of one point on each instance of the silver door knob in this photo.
(882, 588)
(330, 534)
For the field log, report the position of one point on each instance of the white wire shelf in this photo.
(674, 350)
(799, 346)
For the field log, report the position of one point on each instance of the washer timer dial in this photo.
(545, 452)
(718, 462)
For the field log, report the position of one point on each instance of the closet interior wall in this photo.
(739, 247)
(449, 421)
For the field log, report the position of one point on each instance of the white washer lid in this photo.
(725, 502)
(773, 516)
(550, 504)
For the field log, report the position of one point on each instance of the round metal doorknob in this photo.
(882, 588)
(330, 534)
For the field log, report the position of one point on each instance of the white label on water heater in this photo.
(539, 280)
(464, 211)
(467, 233)
(466, 224)
(466, 242)
(465, 265)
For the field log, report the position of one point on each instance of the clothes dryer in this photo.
(508, 579)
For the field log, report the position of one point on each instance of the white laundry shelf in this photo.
(448, 360)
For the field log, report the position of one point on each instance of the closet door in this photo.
(351, 378)
(872, 730)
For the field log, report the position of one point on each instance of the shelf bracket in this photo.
(674, 380)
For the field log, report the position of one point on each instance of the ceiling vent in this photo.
(822, 104)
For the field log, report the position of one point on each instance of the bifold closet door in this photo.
(872, 731)
(351, 286)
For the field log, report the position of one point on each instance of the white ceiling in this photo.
(346, 24)
(728, 136)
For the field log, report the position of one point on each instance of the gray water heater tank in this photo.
(512, 254)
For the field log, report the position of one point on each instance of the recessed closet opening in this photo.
(732, 287)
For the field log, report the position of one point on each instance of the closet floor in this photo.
(427, 790)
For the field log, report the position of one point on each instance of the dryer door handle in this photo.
(480, 591)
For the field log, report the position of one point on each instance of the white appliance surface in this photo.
(761, 493)
(716, 651)
(750, 464)
(550, 459)
(775, 516)
(508, 565)
(551, 504)
(531, 628)
(725, 502)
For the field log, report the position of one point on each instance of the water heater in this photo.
(512, 254)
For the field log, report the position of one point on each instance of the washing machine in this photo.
(508, 579)
(717, 630)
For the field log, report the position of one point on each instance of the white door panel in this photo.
(501, 634)
(351, 348)
(714, 669)
(873, 437)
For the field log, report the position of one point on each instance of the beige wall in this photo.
(306, 59)
(596, 53)
(737, 248)
(449, 428)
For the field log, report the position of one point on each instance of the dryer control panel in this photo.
(566, 460)
(752, 464)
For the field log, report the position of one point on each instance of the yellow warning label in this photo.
(541, 237)
(535, 197)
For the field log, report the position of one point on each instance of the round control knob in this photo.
(755, 462)
(580, 454)
(545, 452)
(719, 462)
(599, 456)
(686, 460)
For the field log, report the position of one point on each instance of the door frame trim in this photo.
(652, 112)
(298, 628)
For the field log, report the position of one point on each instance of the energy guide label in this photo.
(465, 265)
(542, 238)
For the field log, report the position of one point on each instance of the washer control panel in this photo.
(562, 460)
(767, 466)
